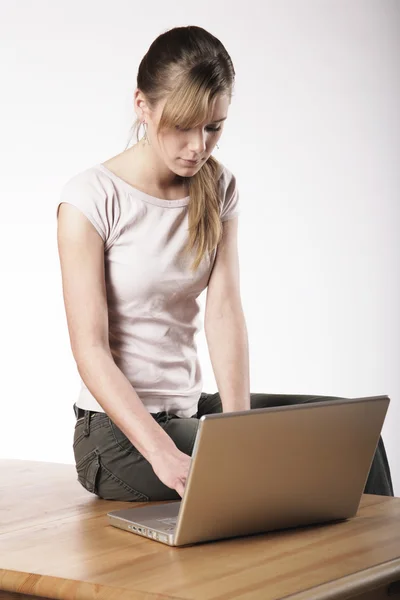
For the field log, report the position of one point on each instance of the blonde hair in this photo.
(189, 67)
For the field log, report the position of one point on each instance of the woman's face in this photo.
(178, 147)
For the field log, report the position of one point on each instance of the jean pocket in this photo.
(87, 469)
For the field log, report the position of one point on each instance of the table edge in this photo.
(353, 584)
(44, 586)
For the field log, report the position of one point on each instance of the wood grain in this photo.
(56, 542)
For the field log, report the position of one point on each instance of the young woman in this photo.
(138, 237)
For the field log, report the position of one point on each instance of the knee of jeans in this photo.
(323, 398)
(183, 433)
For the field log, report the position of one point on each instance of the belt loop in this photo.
(86, 428)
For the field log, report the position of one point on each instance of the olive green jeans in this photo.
(109, 466)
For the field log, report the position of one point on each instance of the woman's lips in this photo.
(190, 162)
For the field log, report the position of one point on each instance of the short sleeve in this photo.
(230, 206)
(86, 192)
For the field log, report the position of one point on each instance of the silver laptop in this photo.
(266, 469)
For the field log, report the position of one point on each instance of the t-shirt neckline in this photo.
(146, 197)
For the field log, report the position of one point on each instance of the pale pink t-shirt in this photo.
(151, 294)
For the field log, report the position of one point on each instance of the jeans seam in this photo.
(94, 426)
(132, 450)
(127, 487)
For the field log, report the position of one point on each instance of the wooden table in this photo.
(56, 542)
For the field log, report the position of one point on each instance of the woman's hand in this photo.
(171, 467)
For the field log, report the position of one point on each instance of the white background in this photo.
(313, 137)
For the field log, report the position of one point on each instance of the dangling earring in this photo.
(145, 138)
(217, 146)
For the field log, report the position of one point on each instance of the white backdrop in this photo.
(313, 137)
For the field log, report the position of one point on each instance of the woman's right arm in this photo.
(81, 252)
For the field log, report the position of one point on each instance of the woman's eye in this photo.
(208, 128)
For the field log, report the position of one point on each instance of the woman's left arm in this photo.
(225, 325)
